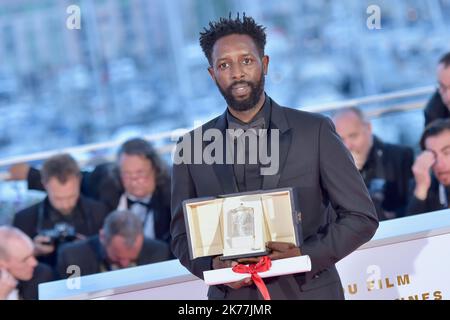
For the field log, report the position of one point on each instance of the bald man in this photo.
(385, 168)
(19, 270)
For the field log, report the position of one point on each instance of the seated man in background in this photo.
(385, 168)
(20, 273)
(432, 189)
(64, 215)
(120, 244)
(140, 182)
(439, 105)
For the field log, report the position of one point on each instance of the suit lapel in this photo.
(225, 172)
(278, 121)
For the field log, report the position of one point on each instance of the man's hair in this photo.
(354, 110)
(445, 60)
(122, 223)
(8, 233)
(61, 167)
(433, 129)
(143, 148)
(228, 26)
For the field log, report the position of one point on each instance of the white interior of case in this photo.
(206, 225)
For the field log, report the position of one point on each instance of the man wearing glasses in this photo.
(143, 187)
(439, 105)
(139, 181)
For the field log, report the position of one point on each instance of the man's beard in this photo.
(256, 89)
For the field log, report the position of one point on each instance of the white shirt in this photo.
(146, 216)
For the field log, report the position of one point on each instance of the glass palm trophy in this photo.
(243, 231)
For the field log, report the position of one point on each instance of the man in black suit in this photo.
(63, 209)
(120, 244)
(431, 191)
(20, 273)
(439, 105)
(139, 181)
(305, 153)
(385, 167)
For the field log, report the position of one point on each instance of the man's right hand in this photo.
(41, 246)
(421, 170)
(7, 284)
(220, 264)
(18, 172)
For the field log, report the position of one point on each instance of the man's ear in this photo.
(265, 62)
(211, 73)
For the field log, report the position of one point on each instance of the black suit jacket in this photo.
(312, 159)
(392, 164)
(89, 255)
(88, 222)
(435, 109)
(28, 290)
(431, 202)
(91, 221)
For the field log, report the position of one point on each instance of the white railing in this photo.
(321, 108)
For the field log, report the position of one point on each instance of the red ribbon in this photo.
(263, 264)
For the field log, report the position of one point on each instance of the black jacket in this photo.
(313, 160)
(104, 184)
(435, 109)
(87, 220)
(89, 255)
(431, 203)
(28, 290)
(388, 177)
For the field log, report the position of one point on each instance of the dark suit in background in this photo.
(435, 109)
(432, 202)
(91, 257)
(28, 290)
(317, 164)
(87, 218)
(388, 177)
(104, 185)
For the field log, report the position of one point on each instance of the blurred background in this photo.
(135, 66)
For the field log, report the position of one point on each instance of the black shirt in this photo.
(248, 174)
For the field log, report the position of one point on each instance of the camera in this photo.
(61, 232)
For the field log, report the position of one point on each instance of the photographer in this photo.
(64, 215)
(385, 168)
(139, 181)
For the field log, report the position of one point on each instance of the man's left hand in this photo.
(278, 250)
(281, 250)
